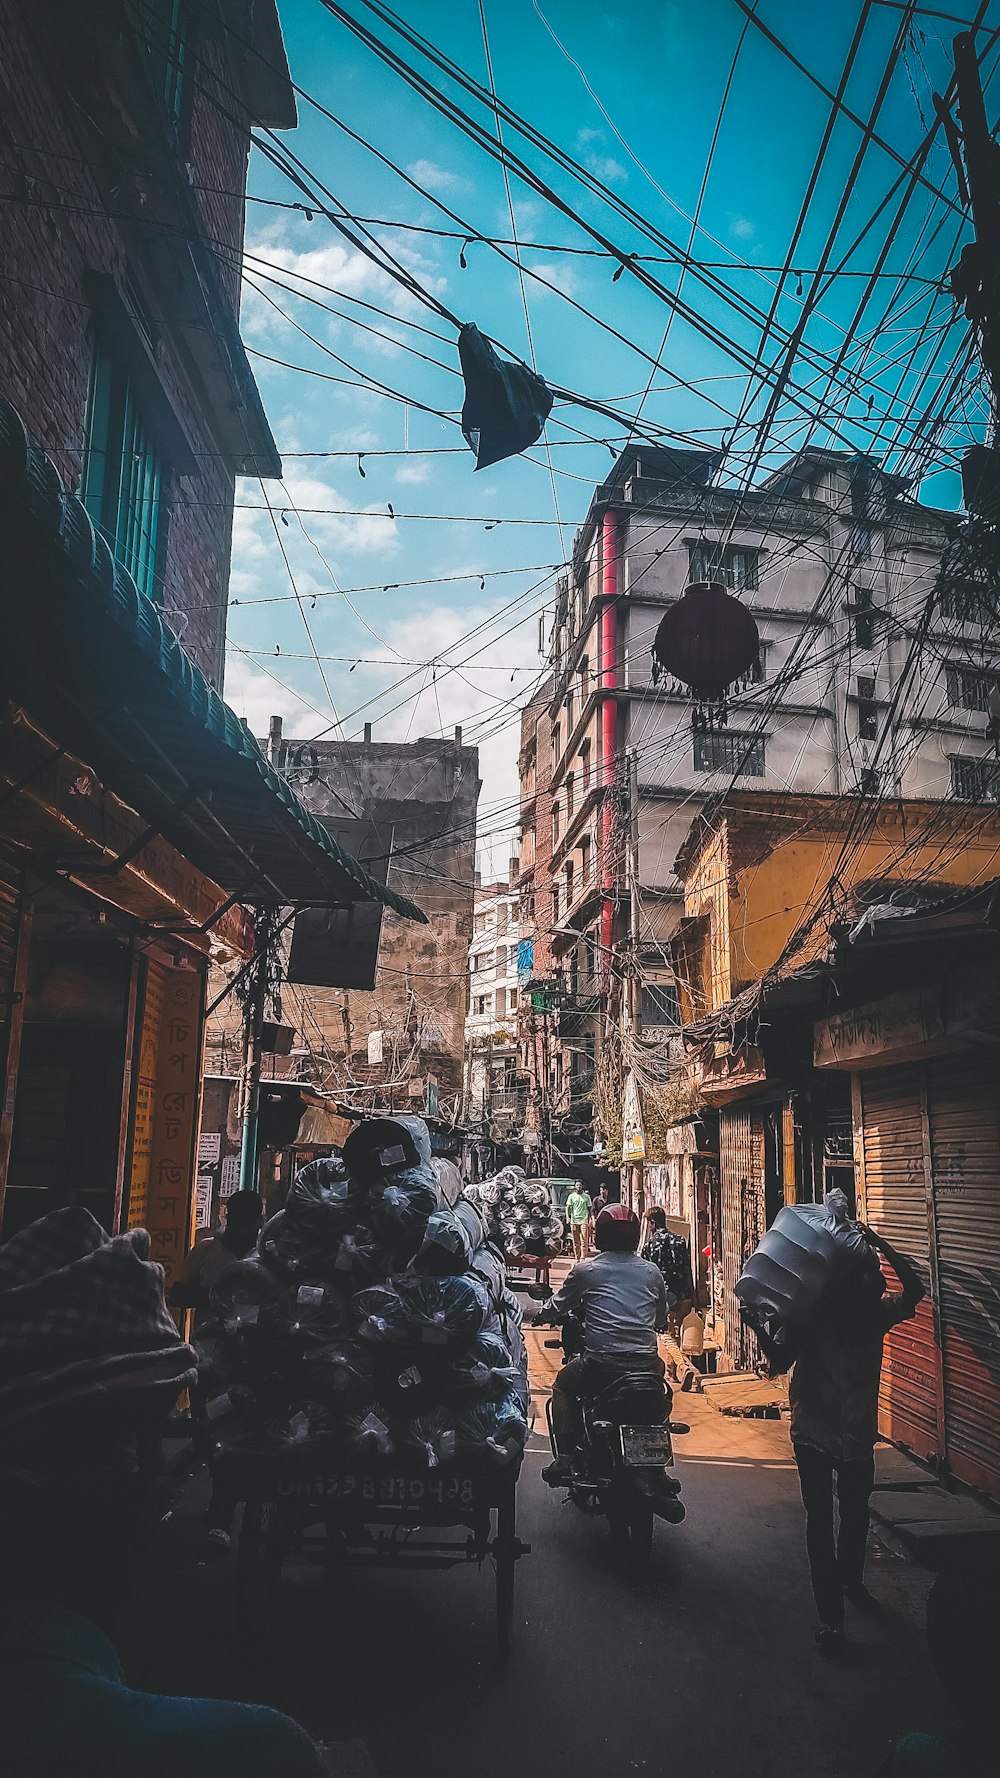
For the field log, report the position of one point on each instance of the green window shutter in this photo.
(99, 443)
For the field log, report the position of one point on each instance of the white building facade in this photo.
(494, 1101)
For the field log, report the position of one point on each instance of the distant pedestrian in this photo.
(578, 1217)
(209, 1260)
(598, 1202)
(833, 1393)
(673, 1256)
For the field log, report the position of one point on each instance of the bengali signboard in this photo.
(894, 1025)
(166, 1107)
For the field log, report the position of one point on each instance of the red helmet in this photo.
(616, 1230)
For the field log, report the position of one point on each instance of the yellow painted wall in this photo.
(755, 907)
(774, 895)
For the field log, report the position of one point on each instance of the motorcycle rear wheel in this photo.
(630, 1519)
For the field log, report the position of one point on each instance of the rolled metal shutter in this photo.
(741, 1193)
(962, 1101)
(11, 886)
(896, 1199)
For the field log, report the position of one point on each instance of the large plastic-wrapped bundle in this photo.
(309, 1312)
(494, 1431)
(451, 1238)
(360, 1259)
(391, 1158)
(244, 1292)
(325, 1199)
(809, 1251)
(366, 1435)
(427, 1438)
(341, 1375)
(449, 1179)
(285, 1246)
(445, 1312)
(305, 1431)
(486, 1370)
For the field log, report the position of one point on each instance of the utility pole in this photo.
(637, 1193)
(976, 278)
(253, 1032)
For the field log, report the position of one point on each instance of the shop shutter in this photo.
(962, 1099)
(11, 915)
(741, 1193)
(896, 1203)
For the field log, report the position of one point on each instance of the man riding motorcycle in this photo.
(622, 1301)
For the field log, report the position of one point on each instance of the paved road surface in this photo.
(705, 1665)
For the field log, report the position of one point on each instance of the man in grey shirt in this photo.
(622, 1302)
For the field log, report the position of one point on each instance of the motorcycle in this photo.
(621, 1466)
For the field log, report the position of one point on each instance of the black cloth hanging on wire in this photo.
(506, 405)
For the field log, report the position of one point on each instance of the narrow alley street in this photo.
(707, 1663)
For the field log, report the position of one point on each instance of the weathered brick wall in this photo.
(79, 194)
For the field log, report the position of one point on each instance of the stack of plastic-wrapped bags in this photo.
(519, 1214)
(372, 1323)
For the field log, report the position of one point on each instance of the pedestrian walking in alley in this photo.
(833, 1393)
(578, 1217)
(91, 1363)
(672, 1255)
(208, 1260)
(598, 1202)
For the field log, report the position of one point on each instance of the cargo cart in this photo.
(385, 1516)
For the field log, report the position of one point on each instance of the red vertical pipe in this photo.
(609, 723)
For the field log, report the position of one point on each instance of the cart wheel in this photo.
(258, 1558)
(504, 1557)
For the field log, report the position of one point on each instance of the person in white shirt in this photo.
(622, 1302)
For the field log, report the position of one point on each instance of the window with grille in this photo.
(555, 825)
(480, 1004)
(585, 766)
(659, 1004)
(969, 688)
(863, 619)
(758, 672)
(861, 543)
(870, 781)
(725, 751)
(966, 603)
(731, 564)
(569, 798)
(867, 709)
(585, 862)
(165, 28)
(569, 885)
(975, 780)
(555, 742)
(501, 963)
(123, 475)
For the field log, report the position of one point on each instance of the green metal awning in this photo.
(94, 661)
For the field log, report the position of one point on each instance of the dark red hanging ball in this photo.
(707, 640)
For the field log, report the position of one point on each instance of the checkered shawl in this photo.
(69, 1294)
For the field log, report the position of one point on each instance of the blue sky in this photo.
(463, 646)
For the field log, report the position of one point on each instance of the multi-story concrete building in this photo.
(399, 1044)
(870, 680)
(494, 1098)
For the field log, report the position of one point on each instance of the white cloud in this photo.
(561, 275)
(437, 178)
(606, 168)
(256, 697)
(585, 136)
(414, 473)
(741, 228)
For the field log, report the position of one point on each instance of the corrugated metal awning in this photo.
(98, 665)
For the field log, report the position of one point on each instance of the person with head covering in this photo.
(90, 1366)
